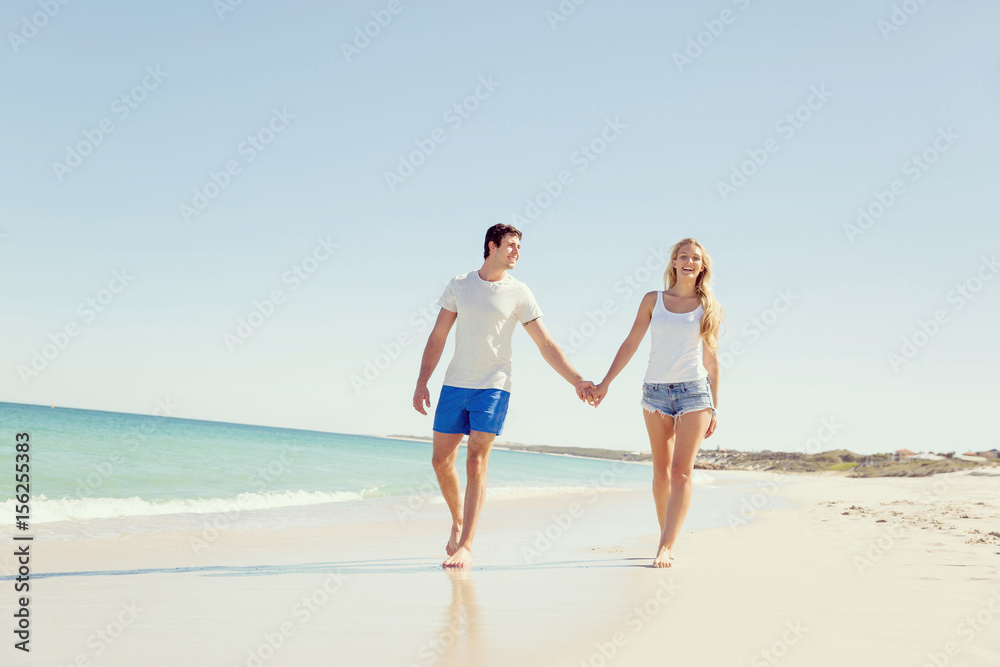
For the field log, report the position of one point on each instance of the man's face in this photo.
(508, 252)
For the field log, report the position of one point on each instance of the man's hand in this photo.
(432, 354)
(421, 398)
(583, 388)
(596, 394)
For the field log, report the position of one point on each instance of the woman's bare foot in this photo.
(461, 558)
(456, 532)
(663, 558)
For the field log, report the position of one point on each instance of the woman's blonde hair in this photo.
(712, 320)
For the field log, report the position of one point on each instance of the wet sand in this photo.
(896, 571)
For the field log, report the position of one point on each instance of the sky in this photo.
(246, 211)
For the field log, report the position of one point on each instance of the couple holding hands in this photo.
(680, 390)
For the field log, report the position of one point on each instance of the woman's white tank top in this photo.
(676, 353)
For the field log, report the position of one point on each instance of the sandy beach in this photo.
(889, 571)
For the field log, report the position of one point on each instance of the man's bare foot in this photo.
(663, 558)
(456, 532)
(461, 558)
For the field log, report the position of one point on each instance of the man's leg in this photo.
(443, 460)
(475, 492)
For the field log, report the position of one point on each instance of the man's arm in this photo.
(555, 357)
(432, 355)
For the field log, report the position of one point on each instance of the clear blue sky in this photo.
(309, 133)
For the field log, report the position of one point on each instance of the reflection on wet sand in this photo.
(460, 641)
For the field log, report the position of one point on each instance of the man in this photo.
(487, 305)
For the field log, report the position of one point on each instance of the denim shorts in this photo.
(678, 398)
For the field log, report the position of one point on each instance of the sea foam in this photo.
(47, 510)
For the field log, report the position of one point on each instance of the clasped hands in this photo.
(590, 392)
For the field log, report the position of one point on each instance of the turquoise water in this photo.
(87, 464)
(105, 463)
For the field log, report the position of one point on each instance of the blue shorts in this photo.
(461, 410)
(677, 398)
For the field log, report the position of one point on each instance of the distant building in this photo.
(903, 455)
(971, 458)
(991, 454)
(926, 457)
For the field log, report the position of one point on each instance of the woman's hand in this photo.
(711, 425)
(596, 394)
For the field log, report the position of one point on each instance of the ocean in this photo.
(90, 465)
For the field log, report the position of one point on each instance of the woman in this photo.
(681, 389)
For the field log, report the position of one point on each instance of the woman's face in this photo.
(688, 263)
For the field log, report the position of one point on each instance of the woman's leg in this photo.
(661, 442)
(690, 430)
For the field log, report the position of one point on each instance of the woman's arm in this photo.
(629, 346)
(711, 360)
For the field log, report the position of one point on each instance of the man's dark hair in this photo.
(496, 234)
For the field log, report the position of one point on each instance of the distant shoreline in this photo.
(839, 461)
(576, 452)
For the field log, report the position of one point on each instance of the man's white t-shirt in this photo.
(488, 313)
